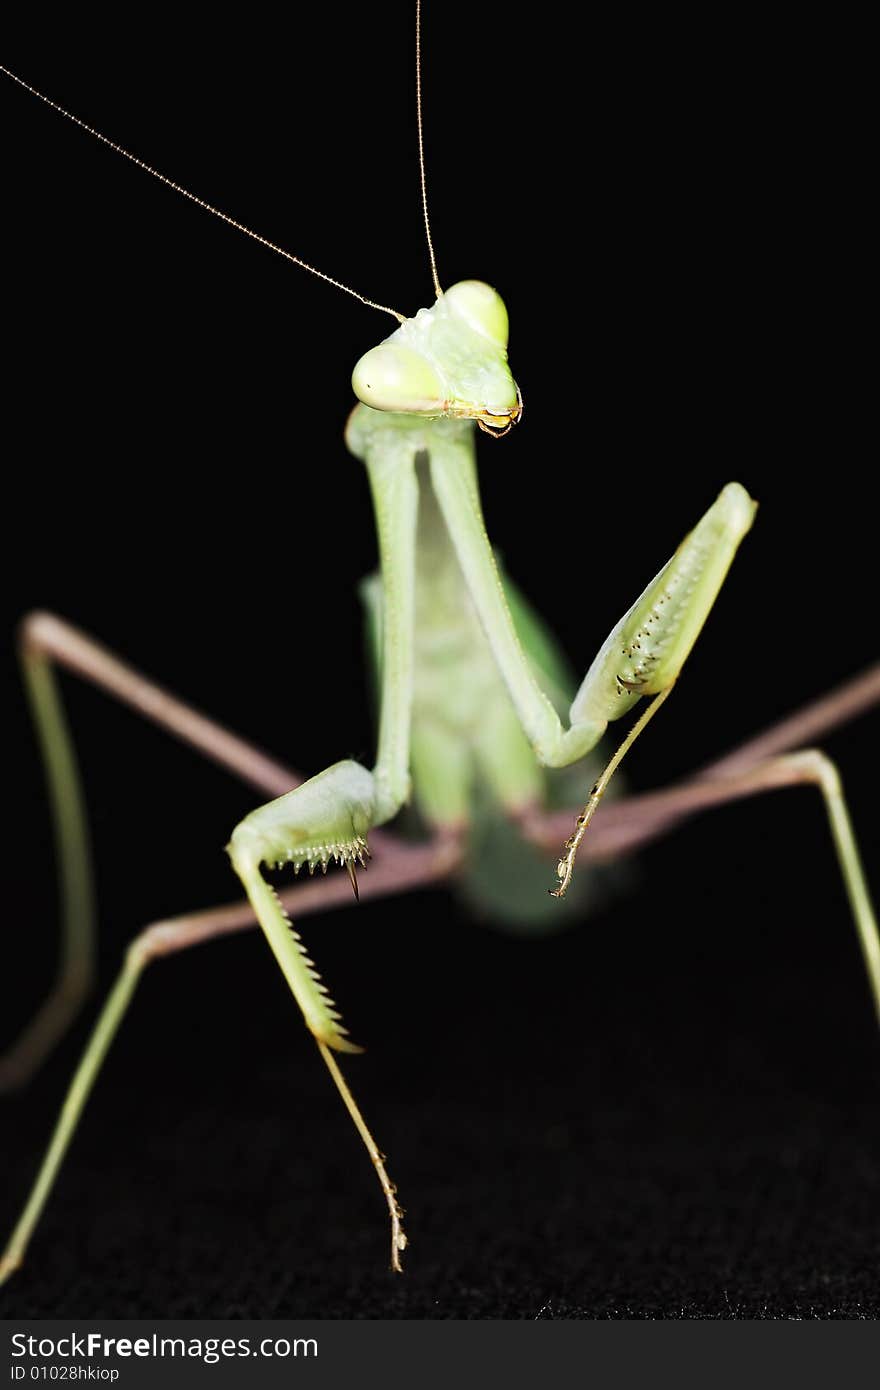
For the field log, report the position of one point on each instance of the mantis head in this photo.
(450, 360)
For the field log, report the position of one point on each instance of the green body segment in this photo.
(466, 738)
(472, 687)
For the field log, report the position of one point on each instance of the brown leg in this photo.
(43, 636)
(805, 726)
(622, 826)
(655, 813)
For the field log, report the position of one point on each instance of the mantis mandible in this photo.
(439, 610)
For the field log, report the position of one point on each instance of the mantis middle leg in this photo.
(638, 820)
(625, 825)
(47, 641)
(44, 641)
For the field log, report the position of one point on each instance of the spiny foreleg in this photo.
(324, 820)
(642, 655)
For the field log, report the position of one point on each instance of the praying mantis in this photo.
(553, 519)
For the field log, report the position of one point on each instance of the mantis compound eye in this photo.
(481, 308)
(394, 377)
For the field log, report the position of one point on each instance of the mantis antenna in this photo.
(438, 291)
(208, 207)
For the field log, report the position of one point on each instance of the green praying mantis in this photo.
(473, 708)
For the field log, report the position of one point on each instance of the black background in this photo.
(672, 1109)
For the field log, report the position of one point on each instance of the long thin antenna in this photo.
(200, 202)
(438, 291)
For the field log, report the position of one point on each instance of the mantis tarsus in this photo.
(657, 557)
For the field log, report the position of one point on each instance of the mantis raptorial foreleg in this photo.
(399, 866)
(642, 655)
(323, 821)
(328, 818)
(46, 638)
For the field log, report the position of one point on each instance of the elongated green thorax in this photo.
(449, 360)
